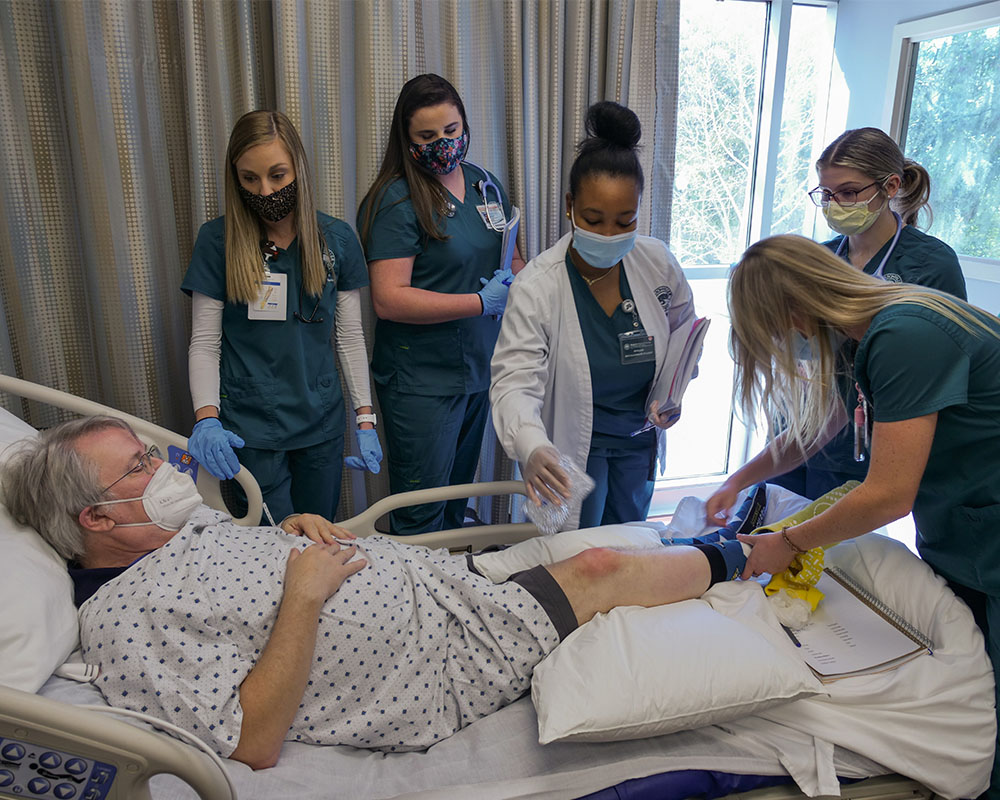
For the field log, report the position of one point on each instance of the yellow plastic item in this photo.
(799, 580)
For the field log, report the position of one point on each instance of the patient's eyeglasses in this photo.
(145, 465)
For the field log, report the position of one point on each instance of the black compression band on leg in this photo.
(539, 582)
(715, 562)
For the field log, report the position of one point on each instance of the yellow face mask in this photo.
(851, 220)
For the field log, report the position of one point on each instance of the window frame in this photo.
(905, 38)
(745, 441)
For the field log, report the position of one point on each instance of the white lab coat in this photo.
(540, 389)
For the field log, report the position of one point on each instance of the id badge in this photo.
(636, 347)
(492, 214)
(270, 304)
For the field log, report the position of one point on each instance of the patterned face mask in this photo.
(440, 156)
(275, 206)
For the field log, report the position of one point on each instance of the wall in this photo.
(862, 44)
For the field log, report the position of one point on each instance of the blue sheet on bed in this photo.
(687, 783)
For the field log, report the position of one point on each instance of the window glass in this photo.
(721, 53)
(953, 130)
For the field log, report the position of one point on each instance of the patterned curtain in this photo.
(115, 115)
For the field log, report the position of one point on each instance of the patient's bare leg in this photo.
(599, 579)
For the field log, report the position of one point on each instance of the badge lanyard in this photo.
(880, 272)
(862, 434)
(491, 211)
(635, 346)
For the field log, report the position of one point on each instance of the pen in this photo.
(649, 425)
(791, 636)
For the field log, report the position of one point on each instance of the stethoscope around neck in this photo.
(483, 186)
(879, 273)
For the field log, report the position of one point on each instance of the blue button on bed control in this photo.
(64, 791)
(76, 766)
(12, 751)
(6, 777)
(50, 760)
(38, 786)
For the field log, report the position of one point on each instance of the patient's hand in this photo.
(314, 527)
(315, 574)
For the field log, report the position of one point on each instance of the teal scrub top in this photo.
(917, 258)
(279, 387)
(913, 361)
(619, 390)
(445, 358)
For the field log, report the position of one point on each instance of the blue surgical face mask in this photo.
(806, 348)
(601, 252)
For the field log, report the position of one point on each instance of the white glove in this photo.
(544, 478)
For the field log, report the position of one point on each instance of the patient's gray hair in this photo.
(46, 483)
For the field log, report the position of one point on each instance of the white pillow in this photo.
(639, 672)
(38, 627)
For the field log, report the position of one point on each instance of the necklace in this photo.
(591, 281)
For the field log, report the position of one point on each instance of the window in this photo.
(753, 89)
(950, 122)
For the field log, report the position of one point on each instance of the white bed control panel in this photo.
(30, 771)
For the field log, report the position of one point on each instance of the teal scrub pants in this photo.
(305, 481)
(431, 441)
(624, 486)
(986, 611)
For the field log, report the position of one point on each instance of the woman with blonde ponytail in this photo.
(270, 282)
(924, 370)
(874, 198)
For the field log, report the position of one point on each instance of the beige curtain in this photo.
(115, 114)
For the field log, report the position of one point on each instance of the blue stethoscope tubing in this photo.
(879, 273)
(484, 186)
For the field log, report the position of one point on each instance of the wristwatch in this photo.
(365, 418)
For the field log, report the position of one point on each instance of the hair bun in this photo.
(613, 123)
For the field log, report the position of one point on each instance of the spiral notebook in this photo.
(853, 633)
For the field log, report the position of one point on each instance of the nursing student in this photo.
(927, 374)
(590, 324)
(274, 283)
(432, 225)
(872, 197)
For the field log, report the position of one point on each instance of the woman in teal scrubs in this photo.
(269, 281)
(873, 196)
(432, 226)
(926, 373)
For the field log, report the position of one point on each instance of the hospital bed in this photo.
(43, 734)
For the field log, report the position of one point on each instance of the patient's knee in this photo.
(598, 562)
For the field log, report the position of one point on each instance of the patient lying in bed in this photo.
(249, 637)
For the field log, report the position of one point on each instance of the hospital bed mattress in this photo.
(498, 758)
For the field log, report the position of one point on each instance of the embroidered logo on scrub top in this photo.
(664, 294)
(892, 277)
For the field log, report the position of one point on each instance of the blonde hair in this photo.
(244, 229)
(873, 153)
(788, 283)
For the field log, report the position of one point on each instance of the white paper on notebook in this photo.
(848, 635)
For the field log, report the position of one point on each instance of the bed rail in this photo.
(46, 744)
(208, 485)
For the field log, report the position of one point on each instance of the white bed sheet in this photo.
(499, 758)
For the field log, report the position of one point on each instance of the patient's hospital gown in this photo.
(410, 649)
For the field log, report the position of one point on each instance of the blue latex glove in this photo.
(371, 452)
(212, 446)
(494, 292)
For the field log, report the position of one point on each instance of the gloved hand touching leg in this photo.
(212, 446)
(544, 478)
(370, 449)
(494, 292)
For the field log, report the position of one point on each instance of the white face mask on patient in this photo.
(169, 500)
